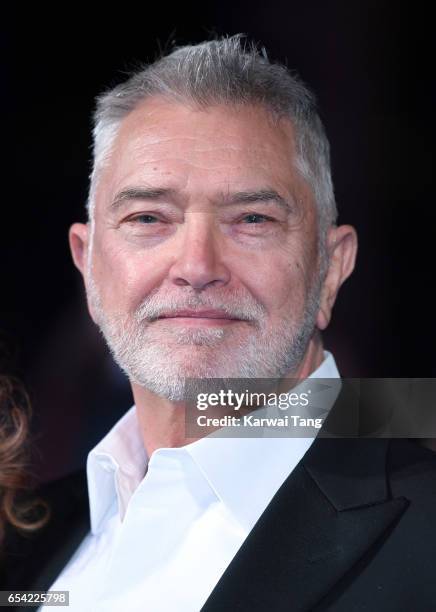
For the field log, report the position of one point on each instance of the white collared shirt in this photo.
(161, 542)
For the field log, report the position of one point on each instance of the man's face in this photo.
(204, 255)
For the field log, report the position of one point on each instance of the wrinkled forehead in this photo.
(217, 148)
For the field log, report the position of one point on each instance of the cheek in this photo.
(279, 283)
(125, 278)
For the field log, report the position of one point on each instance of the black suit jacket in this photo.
(353, 528)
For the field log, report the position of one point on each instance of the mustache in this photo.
(234, 305)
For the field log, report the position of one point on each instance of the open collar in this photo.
(236, 469)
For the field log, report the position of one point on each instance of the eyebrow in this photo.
(229, 199)
(140, 193)
(264, 195)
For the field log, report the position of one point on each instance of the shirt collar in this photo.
(236, 469)
(253, 468)
(115, 467)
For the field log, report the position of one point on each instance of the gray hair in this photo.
(224, 71)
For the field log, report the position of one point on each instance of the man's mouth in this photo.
(205, 317)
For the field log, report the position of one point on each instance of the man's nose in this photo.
(198, 262)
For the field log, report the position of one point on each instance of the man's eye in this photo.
(255, 218)
(145, 219)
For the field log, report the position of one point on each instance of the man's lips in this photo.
(208, 318)
(198, 314)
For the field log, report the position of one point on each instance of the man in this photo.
(212, 251)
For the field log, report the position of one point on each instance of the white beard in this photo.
(160, 357)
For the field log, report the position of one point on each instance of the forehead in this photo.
(215, 148)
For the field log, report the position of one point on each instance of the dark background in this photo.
(369, 64)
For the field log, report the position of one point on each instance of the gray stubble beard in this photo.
(138, 349)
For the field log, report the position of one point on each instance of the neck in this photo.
(162, 421)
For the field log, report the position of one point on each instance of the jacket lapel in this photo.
(326, 518)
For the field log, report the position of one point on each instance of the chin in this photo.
(170, 375)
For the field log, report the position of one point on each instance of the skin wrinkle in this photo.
(270, 272)
(300, 211)
(137, 144)
(168, 198)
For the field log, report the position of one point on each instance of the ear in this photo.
(78, 238)
(79, 245)
(342, 249)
